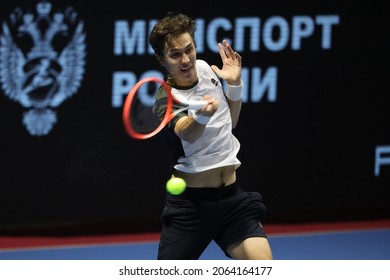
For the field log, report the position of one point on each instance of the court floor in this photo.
(364, 240)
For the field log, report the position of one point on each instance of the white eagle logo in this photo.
(42, 59)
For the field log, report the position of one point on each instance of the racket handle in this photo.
(196, 105)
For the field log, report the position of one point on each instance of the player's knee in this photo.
(254, 248)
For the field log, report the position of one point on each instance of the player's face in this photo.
(180, 60)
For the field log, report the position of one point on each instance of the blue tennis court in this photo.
(329, 243)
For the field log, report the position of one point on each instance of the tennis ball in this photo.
(176, 185)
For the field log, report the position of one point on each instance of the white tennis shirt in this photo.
(217, 146)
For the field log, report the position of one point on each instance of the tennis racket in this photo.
(137, 115)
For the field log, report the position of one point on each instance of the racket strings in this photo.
(142, 117)
(149, 107)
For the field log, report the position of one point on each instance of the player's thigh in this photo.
(184, 234)
(253, 248)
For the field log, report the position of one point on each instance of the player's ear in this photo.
(160, 59)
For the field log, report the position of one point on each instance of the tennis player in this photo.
(204, 152)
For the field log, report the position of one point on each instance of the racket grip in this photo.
(196, 105)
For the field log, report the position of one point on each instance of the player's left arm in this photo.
(231, 73)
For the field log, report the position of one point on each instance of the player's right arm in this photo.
(190, 128)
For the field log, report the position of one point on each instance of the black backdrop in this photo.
(310, 152)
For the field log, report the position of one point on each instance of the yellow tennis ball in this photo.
(176, 185)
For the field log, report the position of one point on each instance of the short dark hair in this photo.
(166, 29)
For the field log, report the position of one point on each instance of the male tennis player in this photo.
(204, 151)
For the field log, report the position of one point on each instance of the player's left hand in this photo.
(232, 63)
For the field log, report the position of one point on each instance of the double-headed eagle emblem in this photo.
(42, 59)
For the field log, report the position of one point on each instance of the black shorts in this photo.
(190, 221)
